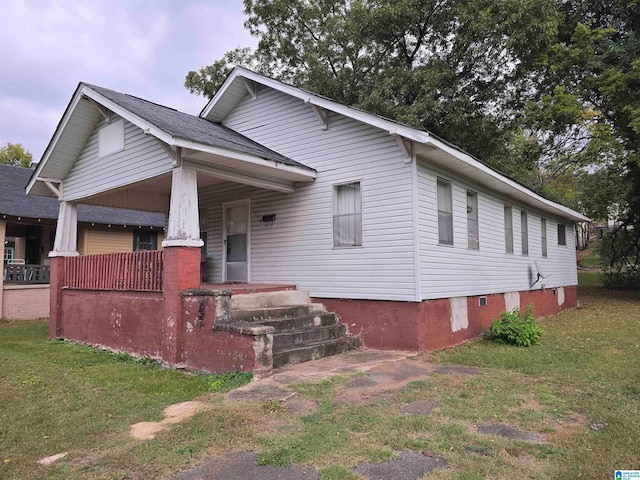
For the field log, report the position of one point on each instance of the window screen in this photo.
(472, 221)
(445, 213)
(524, 229)
(508, 229)
(347, 215)
(562, 234)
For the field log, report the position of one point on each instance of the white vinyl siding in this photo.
(458, 271)
(445, 213)
(298, 247)
(347, 215)
(111, 138)
(543, 236)
(508, 229)
(142, 158)
(524, 232)
(473, 232)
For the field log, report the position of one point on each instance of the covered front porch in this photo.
(183, 304)
(173, 304)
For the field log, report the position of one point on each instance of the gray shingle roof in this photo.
(15, 202)
(190, 127)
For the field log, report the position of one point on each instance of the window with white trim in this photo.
(473, 232)
(9, 254)
(445, 213)
(524, 231)
(508, 229)
(543, 235)
(347, 215)
(111, 138)
(562, 234)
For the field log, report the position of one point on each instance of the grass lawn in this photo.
(58, 396)
(580, 389)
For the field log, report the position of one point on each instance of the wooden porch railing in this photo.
(141, 271)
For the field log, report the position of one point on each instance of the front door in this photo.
(236, 241)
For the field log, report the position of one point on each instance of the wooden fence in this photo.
(139, 271)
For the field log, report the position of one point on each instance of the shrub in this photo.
(513, 329)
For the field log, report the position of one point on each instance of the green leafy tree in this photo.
(15, 154)
(449, 66)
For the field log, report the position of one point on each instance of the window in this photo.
(445, 213)
(111, 138)
(508, 229)
(472, 221)
(145, 240)
(347, 215)
(524, 229)
(562, 234)
(543, 235)
(9, 254)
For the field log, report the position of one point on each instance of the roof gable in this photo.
(242, 81)
(90, 103)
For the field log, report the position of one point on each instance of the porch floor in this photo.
(241, 288)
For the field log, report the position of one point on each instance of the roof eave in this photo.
(419, 136)
(512, 185)
(305, 172)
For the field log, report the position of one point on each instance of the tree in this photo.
(448, 66)
(15, 154)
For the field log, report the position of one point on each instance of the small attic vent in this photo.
(111, 138)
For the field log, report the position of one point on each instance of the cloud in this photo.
(59, 40)
(33, 126)
(141, 47)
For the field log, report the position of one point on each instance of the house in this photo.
(27, 231)
(413, 243)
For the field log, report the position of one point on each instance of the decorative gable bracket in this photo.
(103, 111)
(251, 88)
(406, 146)
(174, 152)
(321, 113)
(51, 184)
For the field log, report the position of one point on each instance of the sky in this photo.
(141, 47)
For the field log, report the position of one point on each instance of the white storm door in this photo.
(236, 241)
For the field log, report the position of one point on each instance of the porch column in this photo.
(3, 230)
(183, 229)
(65, 245)
(181, 258)
(66, 242)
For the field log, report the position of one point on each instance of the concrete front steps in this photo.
(302, 330)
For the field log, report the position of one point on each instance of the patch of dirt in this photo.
(260, 391)
(507, 431)
(420, 408)
(243, 466)
(173, 414)
(300, 406)
(463, 369)
(406, 466)
(572, 425)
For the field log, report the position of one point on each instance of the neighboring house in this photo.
(413, 242)
(27, 231)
